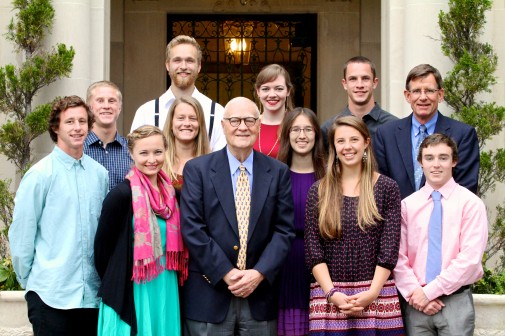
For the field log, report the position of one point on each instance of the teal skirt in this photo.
(156, 307)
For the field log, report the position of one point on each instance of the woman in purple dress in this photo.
(352, 237)
(302, 150)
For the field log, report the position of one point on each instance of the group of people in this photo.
(239, 220)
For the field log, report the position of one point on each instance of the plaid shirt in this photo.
(114, 157)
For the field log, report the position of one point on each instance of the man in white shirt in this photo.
(183, 63)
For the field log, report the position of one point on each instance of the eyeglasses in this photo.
(235, 121)
(296, 130)
(416, 93)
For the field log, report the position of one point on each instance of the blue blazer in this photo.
(393, 150)
(210, 231)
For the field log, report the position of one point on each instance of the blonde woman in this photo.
(352, 237)
(139, 253)
(274, 91)
(186, 136)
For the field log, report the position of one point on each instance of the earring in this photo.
(365, 157)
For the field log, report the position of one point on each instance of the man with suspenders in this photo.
(183, 63)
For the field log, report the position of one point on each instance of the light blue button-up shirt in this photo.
(414, 133)
(235, 168)
(57, 207)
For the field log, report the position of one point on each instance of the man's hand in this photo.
(418, 299)
(433, 307)
(244, 282)
(230, 278)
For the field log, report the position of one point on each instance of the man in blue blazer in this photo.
(396, 143)
(221, 295)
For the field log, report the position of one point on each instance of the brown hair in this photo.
(330, 187)
(286, 151)
(422, 71)
(62, 104)
(201, 142)
(436, 139)
(360, 59)
(183, 39)
(270, 73)
(143, 132)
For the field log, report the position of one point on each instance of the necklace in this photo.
(259, 143)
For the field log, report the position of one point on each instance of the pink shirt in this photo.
(464, 238)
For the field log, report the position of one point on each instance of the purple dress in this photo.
(351, 261)
(295, 278)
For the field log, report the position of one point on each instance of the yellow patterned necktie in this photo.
(243, 207)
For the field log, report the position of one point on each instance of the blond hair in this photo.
(104, 83)
(183, 39)
(143, 132)
(201, 142)
(330, 187)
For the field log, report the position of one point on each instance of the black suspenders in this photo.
(157, 112)
(211, 123)
(157, 115)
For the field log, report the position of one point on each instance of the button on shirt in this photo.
(145, 116)
(56, 213)
(464, 238)
(114, 157)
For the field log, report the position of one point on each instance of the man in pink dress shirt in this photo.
(444, 305)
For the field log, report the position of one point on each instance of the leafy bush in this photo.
(493, 282)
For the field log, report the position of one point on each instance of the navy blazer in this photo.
(210, 230)
(393, 150)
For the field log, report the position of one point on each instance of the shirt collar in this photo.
(235, 164)
(68, 161)
(430, 125)
(446, 190)
(374, 112)
(167, 99)
(92, 139)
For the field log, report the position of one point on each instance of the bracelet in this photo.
(330, 293)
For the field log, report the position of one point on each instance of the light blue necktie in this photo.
(418, 170)
(434, 259)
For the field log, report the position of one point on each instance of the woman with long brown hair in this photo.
(302, 150)
(352, 237)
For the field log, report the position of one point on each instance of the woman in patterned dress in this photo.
(302, 150)
(274, 91)
(186, 136)
(352, 237)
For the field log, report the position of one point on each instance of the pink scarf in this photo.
(147, 203)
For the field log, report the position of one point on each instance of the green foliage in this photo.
(33, 20)
(6, 210)
(470, 79)
(19, 85)
(8, 276)
(492, 282)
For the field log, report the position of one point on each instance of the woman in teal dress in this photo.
(139, 252)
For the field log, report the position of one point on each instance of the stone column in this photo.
(410, 36)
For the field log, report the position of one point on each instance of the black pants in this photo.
(48, 321)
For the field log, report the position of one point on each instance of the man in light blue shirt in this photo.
(56, 213)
